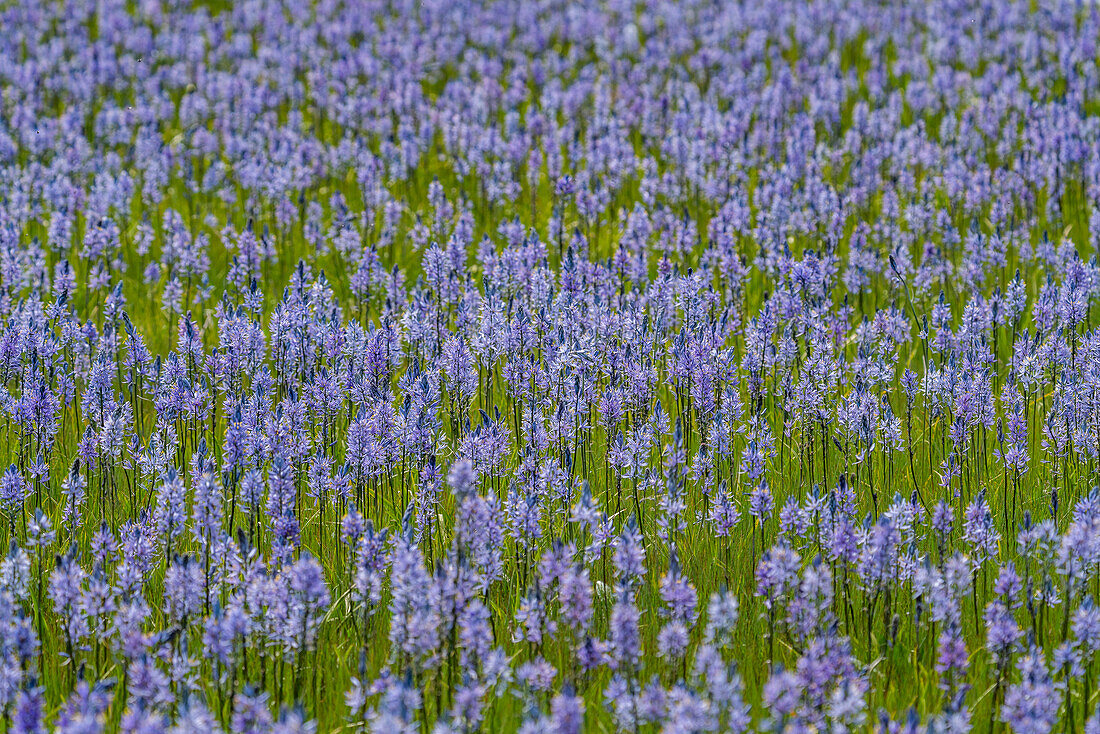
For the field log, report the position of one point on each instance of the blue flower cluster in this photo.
(548, 367)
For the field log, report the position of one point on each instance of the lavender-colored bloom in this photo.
(1032, 704)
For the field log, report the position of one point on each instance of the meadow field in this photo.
(540, 366)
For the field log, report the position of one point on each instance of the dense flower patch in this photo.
(549, 366)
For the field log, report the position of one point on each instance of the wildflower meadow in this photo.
(549, 366)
